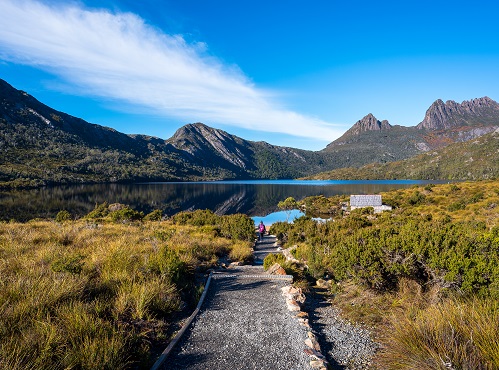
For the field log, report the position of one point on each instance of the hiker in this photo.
(261, 230)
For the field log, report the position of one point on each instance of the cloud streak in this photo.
(118, 56)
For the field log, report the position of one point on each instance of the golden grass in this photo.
(96, 296)
(425, 329)
(458, 334)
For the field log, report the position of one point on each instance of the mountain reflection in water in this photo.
(254, 198)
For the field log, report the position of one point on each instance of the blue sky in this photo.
(288, 72)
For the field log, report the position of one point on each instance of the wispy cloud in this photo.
(118, 56)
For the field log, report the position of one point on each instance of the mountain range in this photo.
(476, 159)
(41, 146)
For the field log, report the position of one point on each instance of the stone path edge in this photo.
(184, 328)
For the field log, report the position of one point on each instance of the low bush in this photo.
(156, 215)
(72, 264)
(126, 214)
(195, 218)
(168, 263)
(237, 226)
(100, 211)
(272, 259)
(63, 216)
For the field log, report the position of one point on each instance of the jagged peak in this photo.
(442, 115)
(368, 123)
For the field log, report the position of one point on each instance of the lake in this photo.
(256, 198)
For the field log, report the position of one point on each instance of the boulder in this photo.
(289, 256)
(318, 364)
(324, 284)
(303, 322)
(311, 342)
(276, 269)
(302, 315)
(291, 292)
(115, 207)
(292, 305)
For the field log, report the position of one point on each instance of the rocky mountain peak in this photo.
(368, 123)
(441, 116)
(206, 142)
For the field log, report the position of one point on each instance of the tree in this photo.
(288, 205)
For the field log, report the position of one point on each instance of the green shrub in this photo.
(169, 264)
(63, 216)
(416, 198)
(195, 218)
(378, 250)
(280, 230)
(456, 206)
(478, 196)
(237, 227)
(156, 215)
(99, 211)
(72, 264)
(272, 259)
(429, 187)
(126, 214)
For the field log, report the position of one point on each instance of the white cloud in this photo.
(118, 56)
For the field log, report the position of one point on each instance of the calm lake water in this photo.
(255, 198)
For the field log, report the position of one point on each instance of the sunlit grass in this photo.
(425, 329)
(456, 333)
(92, 295)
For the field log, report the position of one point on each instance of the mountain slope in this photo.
(370, 140)
(474, 159)
(213, 149)
(40, 145)
(448, 115)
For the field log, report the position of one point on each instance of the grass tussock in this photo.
(426, 330)
(98, 294)
(455, 333)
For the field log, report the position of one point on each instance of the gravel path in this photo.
(264, 247)
(244, 324)
(346, 346)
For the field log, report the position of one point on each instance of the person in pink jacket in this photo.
(261, 230)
